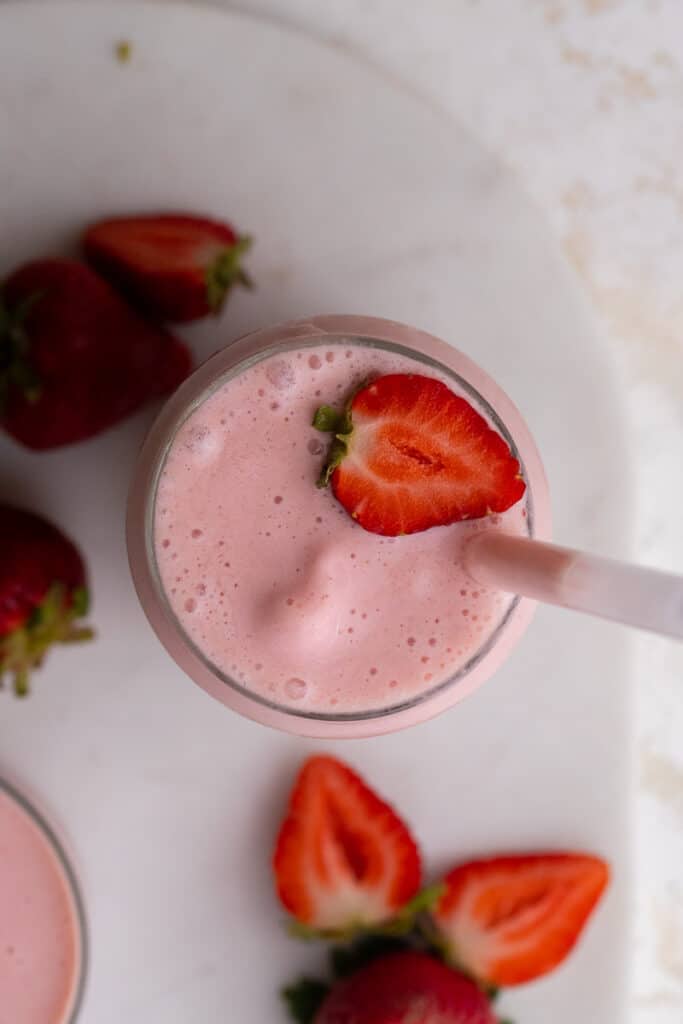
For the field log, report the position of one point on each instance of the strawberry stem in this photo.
(329, 420)
(16, 370)
(52, 621)
(304, 999)
(226, 271)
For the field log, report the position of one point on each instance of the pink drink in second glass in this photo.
(41, 934)
(316, 624)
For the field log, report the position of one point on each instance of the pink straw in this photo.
(645, 598)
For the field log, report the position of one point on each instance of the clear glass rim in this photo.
(64, 863)
(307, 341)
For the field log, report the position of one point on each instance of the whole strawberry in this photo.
(406, 988)
(74, 358)
(177, 267)
(43, 593)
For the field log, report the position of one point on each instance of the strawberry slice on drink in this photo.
(344, 860)
(409, 454)
(509, 920)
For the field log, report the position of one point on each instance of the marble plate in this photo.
(363, 199)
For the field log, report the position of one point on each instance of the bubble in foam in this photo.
(314, 362)
(296, 689)
(201, 442)
(315, 446)
(281, 375)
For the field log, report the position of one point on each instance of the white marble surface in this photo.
(583, 98)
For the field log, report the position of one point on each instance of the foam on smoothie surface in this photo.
(271, 578)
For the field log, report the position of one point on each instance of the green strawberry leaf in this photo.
(226, 271)
(333, 421)
(80, 602)
(346, 960)
(422, 902)
(329, 420)
(16, 370)
(304, 999)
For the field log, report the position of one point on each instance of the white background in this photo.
(583, 98)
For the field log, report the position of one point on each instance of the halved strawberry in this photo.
(513, 919)
(178, 267)
(409, 454)
(343, 858)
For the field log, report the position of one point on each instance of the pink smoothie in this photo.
(272, 580)
(40, 938)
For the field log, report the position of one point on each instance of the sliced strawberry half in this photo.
(512, 919)
(178, 267)
(343, 859)
(410, 454)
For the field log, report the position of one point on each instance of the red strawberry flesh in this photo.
(509, 920)
(417, 456)
(343, 858)
(177, 267)
(91, 361)
(406, 988)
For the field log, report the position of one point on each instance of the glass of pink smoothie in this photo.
(260, 585)
(42, 925)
